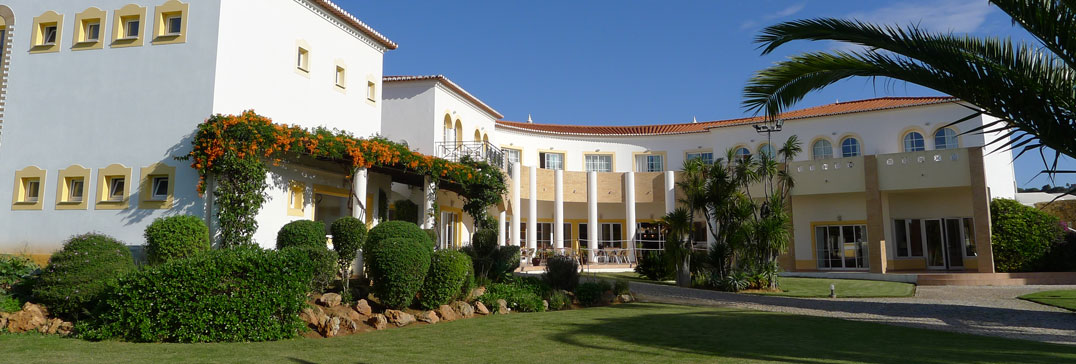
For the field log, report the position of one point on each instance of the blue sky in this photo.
(640, 62)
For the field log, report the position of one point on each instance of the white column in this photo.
(670, 191)
(558, 209)
(429, 197)
(358, 187)
(629, 212)
(516, 210)
(532, 210)
(501, 234)
(592, 215)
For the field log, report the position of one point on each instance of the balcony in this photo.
(479, 151)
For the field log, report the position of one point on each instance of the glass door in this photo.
(933, 237)
(944, 243)
(953, 244)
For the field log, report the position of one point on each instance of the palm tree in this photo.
(1031, 88)
(677, 243)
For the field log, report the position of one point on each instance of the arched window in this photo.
(477, 136)
(822, 149)
(742, 153)
(913, 142)
(767, 150)
(945, 138)
(449, 132)
(459, 132)
(849, 147)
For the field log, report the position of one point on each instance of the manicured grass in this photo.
(632, 333)
(819, 287)
(631, 276)
(1063, 298)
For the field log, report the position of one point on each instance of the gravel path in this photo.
(991, 311)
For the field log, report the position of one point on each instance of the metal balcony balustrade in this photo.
(476, 150)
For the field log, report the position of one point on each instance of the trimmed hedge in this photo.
(562, 272)
(398, 267)
(70, 285)
(405, 211)
(175, 237)
(1021, 236)
(349, 234)
(449, 273)
(590, 293)
(491, 261)
(301, 233)
(521, 294)
(321, 261)
(399, 229)
(242, 294)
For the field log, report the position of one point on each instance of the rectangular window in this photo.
(92, 31)
(48, 34)
(75, 190)
(341, 77)
(969, 237)
(551, 160)
(610, 236)
(173, 24)
(599, 163)
(303, 61)
(706, 157)
(31, 189)
(115, 188)
(371, 91)
(159, 188)
(512, 155)
(841, 247)
(650, 163)
(447, 238)
(130, 28)
(545, 235)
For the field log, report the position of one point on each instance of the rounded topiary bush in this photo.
(321, 261)
(242, 294)
(175, 237)
(301, 233)
(562, 272)
(590, 293)
(399, 229)
(1020, 235)
(349, 234)
(76, 276)
(397, 267)
(450, 271)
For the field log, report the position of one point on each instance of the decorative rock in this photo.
(3, 320)
(329, 300)
(463, 308)
(378, 321)
(354, 316)
(331, 328)
(429, 317)
(502, 307)
(348, 325)
(363, 308)
(399, 318)
(475, 293)
(309, 316)
(480, 308)
(545, 305)
(624, 298)
(30, 318)
(447, 313)
(50, 327)
(65, 328)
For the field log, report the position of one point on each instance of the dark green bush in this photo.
(14, 269)
(520, 295)
(449, 271)
(590, 293)
(562, 272)
(405, 211)
(349, 234)
(558, 300)
(399, 229)
(398, 266)
(70, 285)
(621, 286)
(1062, 255)
(655, 266)
(301, 233)
(491, 261)
(1020, 235)
(319, 260)
(175, 237)
(242, 294)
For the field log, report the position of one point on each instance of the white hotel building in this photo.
(99, 96)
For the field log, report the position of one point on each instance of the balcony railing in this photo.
(479, 151)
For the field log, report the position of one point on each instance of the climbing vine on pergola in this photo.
(237, 149)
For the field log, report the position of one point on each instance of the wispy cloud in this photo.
(786, 12)
(959, 16)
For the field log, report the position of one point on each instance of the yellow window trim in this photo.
(27, 174)
(332, 191)
(63, 180)
(119, 19)
(295, 201)
(86, 17)
(814, 224)
(146, 175)
(664, 160)
(612, 159)
(161, 14)
(458, 242)
(49, 18)
(103, 176)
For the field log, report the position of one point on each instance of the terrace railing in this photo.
(479, 151)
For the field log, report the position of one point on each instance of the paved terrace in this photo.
(990, 311)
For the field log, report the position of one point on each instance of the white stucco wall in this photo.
(408, 115)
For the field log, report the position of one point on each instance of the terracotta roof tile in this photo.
(351, 20)
(839, 108)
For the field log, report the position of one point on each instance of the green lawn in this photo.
(805, 287)
(1064, 298)
(632, 333)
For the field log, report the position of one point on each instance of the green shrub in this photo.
(349, 234)
(1062, 255)
(1020, 235)
(562, 272)
(621, 286)
(491, 261)
(590, 293)
(655, 266)
(9, 304)
(398, 267)
(175, 237)
(14, 269)
(405, 211)
(242, 294)
(399, 229)
(518, 295)
(449, 271)
(301, 233)
(319, 260)
(558, 300)
(77, 275)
